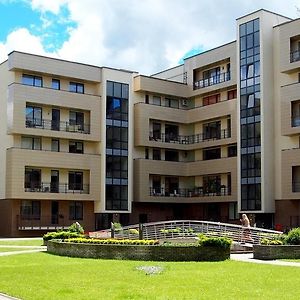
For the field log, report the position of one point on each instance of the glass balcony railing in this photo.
(190, 192)
(189, 139)
(295, 56)
(58, 126)
(42, 187)
(216, 79)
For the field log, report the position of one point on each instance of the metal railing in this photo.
(193, 192)
(65, 188)
(216, 79)
(189, 139)
(190, 228)
(38, 222)
(295, 55)
(57, 126)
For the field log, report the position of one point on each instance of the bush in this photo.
(76, 227)
(61, 235)
(266, 241)
(111, 241)
(117, 226)
(220, 242)
(293, 237)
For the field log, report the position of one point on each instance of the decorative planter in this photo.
(138, 252)
(269, 252)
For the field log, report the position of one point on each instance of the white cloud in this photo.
(145, 36)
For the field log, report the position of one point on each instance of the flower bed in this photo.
(139, 252)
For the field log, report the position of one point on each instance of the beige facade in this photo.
(211, 138)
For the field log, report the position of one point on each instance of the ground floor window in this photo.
(30, 210)
(76, 210)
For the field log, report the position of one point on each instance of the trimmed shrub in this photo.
(293, 237)
(266, 241)
(111, 241)
(76, 227)
(61, 235)
(220, 242)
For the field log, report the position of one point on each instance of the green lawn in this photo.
(28, 242)
(45, 276)
(11, 249)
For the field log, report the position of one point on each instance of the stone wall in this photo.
(137, 252)
(266, 252)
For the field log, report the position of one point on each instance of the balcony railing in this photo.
(38, 222)
(295, 121)
(295, 56)
(219, 78)
(57, 126)
(192, 192)
(189, 139)
(64, 188)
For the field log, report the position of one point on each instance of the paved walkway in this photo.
(248, 257)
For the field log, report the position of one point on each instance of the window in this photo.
(117, 109)
(146, 153)
(55, 145)
(212, 130)
(232, 150)
(32, 179)
(30, 210)
(33, 143)
(116, 166)
(171, 103)
(55, 84)
(233, 211)
(116, 137)
(211, 99)
(156, 185)
(75, 181)
(250, 101)
(76, 118)
(171, 132)
(116, 197)
(171, 155)
(32, 80)
(212, 184)
(156, 100)
(33, 116)
(156, 131)
(156, 154)
(250, 165)
(76, 87)
(75, 147)
(147, 99)
(76, 210)
(231, 94)
(214, 153)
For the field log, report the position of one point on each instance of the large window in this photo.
(33, 116)
(30, 210)
(211, 99)
(75, 147)
(32, 80)
(55, 145)
(76, 118)
(116, 166)
(32, 179)
(116, 137)
(76, 210)
(76, 87)
(75, 181)
(116, 197)
(156, 154)
(171, 155)
(212, 184)
(212, 153)
(212, 130)
(33, 143)
(55, 84)
(156, 134)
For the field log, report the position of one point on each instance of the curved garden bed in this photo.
(139, 252)
(269, 252)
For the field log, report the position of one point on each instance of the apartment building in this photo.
(209, 139)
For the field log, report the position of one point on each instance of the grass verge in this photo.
(27, 242)
(45, 276)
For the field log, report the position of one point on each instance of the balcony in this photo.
(202, 83)
(189, 139)
(193, 192)
(57, 126)
(37, 222)
(57, 188)
(294, 55)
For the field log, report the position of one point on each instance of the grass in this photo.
(45, 276)
(27, 242)
(11, 249)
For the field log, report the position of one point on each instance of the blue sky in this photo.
(140, 35)
(53, 29)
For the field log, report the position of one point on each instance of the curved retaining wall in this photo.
(266, 252)
(137, 252)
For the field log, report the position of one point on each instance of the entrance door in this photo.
(54, 185)
(54, 212)
(55, 124)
